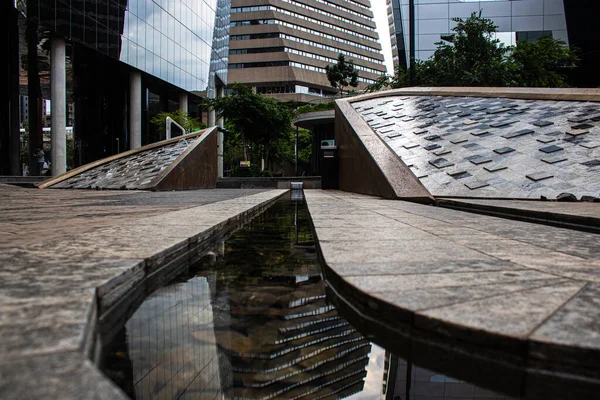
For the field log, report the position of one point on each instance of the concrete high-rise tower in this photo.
(281, 47)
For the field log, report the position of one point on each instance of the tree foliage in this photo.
(473, 56)
(259, 120)
(542, 63)
(342, 74)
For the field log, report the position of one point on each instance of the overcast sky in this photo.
(380, 11)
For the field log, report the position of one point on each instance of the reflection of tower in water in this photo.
(283, 340)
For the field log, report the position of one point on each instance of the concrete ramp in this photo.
(183, 163)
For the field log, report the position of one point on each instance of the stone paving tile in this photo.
(46, 324)
(397, 251)
(388, 283)
(65, 376)
(421, 267)
(577, 324)
(427, 298)
(516, 314)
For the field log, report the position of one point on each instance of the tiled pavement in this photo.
(529, 289)
(72, 263)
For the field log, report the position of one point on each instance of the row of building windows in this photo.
(276, 89)
(261, 64)
(330, 48)
(328, 59)
(298, 52)
(305, 356)
(315, 21)
(257, 50)
(264, 64)
(296, 371)
(331, 15)
(301, 5)
(322, 70)
(253, 22)
(330, 4)
(268, 35)
(303, 29)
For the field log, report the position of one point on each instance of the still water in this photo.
(253, 321)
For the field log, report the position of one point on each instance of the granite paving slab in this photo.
(59, 291)
(502, 285)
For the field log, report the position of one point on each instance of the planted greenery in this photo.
(315, 107)
(473, 56)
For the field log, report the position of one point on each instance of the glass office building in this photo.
(516, 20)
(116, 63)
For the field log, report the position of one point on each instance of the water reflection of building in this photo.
(116, 64)
(281, 339)
(171, 344)
(403, 380)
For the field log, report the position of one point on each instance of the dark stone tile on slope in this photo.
(582, 126)
(460, 174)
(495, 167)
(476, 184)
(591, 163)
(539, 176)
(441, 163)
(541, 123)
(551, 149)
(459, 141)
(518, 133)
(432, 146)
(554, 159)
(479, 159)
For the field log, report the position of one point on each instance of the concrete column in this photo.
(135, 110)
(183, 102)
(211, 118)
(58, 98)
(220, 141)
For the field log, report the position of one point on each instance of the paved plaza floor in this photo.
(526, 289)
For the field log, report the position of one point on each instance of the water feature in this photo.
(253, 320)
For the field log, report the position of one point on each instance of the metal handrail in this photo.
(170, 121)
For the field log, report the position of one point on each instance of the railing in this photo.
(170, 122)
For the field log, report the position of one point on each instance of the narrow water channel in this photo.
(253, 321)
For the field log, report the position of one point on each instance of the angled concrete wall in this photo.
(367, 165)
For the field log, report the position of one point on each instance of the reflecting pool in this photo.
(252, 320)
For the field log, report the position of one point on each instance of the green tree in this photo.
(189, 124)
(471, 56)
(542, 63)
(259, 120)
(342, 74)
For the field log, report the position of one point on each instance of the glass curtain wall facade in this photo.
(125, 61)
(516, 20)
(281, 47)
